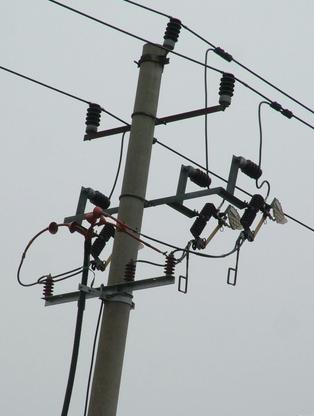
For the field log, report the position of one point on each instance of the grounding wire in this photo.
(93, 357)
(171, 51)
(230, 57)
(78, 329)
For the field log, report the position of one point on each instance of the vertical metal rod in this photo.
(112, 339)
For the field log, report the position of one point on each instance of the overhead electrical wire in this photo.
(50, 87)
(225, 55)
(283, 112)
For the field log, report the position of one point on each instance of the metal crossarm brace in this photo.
(159, 121)
(106, 292)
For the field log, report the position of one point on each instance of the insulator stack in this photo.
(48, 287)
(172, 33)
(199, 177)
(129, 273)
(92, 118)
(105, 234)
(97, 198)
(250, 169)
(170, 265)
(226, 89)
(205, 215)
(257, 203)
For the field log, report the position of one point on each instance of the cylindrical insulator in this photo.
(204, 216)
(97, 198)
(226, 89)
(257, 203)
(170, 265)
(105, 234)
(129, 272)
(48, 287)
(93, 118)
(199, 177)
(172, 33)
(250, 168)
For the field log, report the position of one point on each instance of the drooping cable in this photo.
(24, 255)
(93, 357)
(119, 167)
(78, 329)
(205, 106)
(259, 186)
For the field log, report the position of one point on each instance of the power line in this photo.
(287, 113)
(58, 90)
(133, 35)
(219, 51)
(148, 8)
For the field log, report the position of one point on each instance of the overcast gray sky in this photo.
(219, 350)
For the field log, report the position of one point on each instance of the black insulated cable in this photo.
(78, 329)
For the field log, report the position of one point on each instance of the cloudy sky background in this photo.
(218, 350)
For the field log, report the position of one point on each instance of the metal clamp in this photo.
(159, 59)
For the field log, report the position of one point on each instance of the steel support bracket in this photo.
(111, 293)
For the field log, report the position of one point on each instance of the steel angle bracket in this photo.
(111, 292)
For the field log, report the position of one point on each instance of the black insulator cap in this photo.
(172, 33)
(97, 198)
(207, 212)
(257, 203)
(93, 118)
(250, 168)
(223, 54)
(199, 177)
(226, 89)
(106, 233)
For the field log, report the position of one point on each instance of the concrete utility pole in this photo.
(112, 339)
